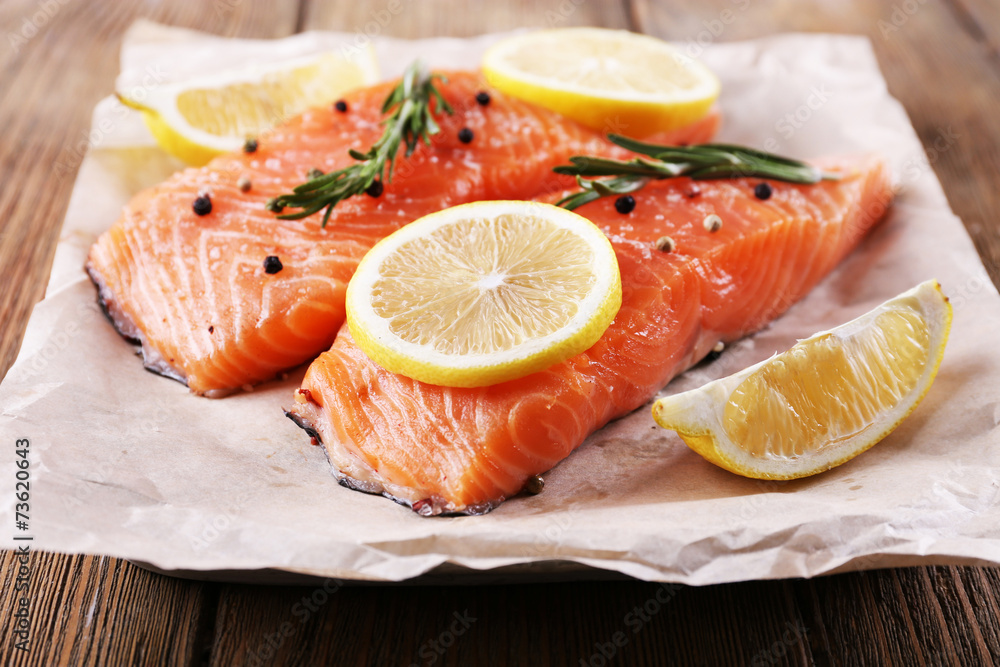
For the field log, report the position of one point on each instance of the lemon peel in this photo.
(824, 401)
(200, 118)
(484, 292)
(610, 80)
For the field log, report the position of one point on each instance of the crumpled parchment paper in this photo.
(130, 464)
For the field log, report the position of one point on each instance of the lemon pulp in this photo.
(824, 401)
(483, 293)
(198, 119)
(610, 80)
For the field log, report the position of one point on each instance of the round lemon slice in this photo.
(824, 401)
(611, 80)
(201, 118)
(484, 293)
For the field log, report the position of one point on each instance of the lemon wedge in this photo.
(824, 401)
(610, 80)
(201, 118)
(484, 293)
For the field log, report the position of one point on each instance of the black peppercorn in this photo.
(762, 191)
(340, 106)
(272, 264)
(202, 205)
(375, 189)
(482, 98)
(465, 135)
(625, 204)
(250, 146)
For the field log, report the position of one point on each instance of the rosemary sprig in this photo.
(700, 162)
(410, 122)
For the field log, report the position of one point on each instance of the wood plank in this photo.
(844, 607)
(86, 610)
(923, 615)
(96, 610)
(981, 19)
(944, 76)
(545, 624)
(456, 18)
(981, 590)
(956, 610)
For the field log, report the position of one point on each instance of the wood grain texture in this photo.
(982, 20)
(57, 60)
(941, 62)
(458, 18)
(93, 610)
(544, 624)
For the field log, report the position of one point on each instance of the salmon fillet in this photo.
(192, 291)
(450, 450)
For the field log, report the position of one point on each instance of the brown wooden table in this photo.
(60, 56)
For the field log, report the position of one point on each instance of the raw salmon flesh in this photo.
(192, 292)
(450, 450)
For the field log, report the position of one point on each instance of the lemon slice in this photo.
(484, 293)
(200, 118)
(824, 401)
(610, 80)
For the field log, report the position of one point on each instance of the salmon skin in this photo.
(192, 291)
(444, 450)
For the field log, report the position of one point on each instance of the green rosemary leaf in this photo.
(409, 120)
(391, 168)
(617, 186)
(578, 199)
(769, 158)
(595, 189)
(636, 146)
(596, 166)
(700, 162)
